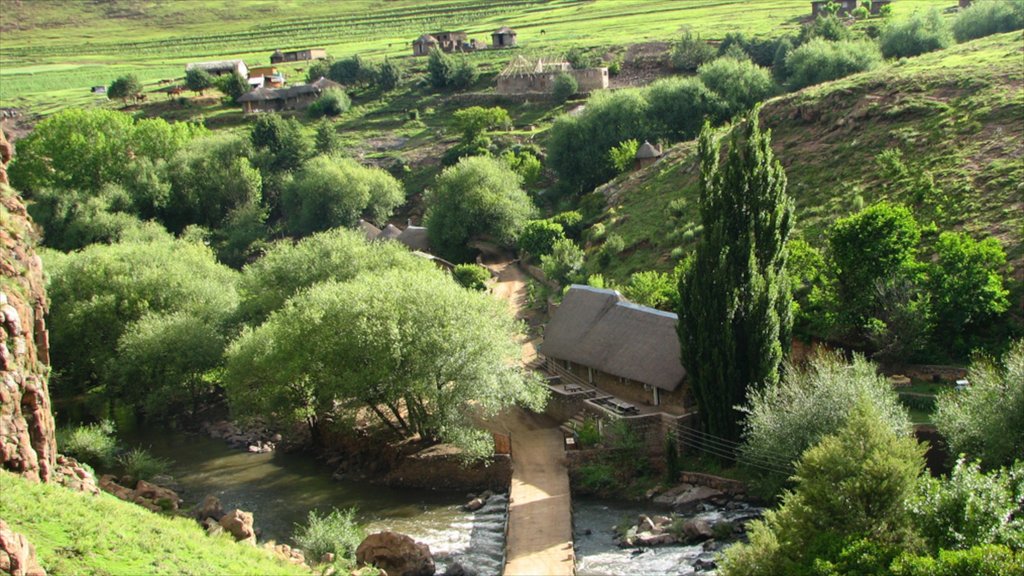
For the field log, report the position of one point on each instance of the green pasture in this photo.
(50, 50)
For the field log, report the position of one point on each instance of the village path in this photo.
(540, 506)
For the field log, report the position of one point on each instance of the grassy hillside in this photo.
(52, 52)
(74, 533)
(943, 133)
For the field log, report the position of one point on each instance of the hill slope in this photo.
(943, 133)
(76, 533)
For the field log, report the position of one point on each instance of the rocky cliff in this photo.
(27, 444)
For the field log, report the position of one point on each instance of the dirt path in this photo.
(540, 507)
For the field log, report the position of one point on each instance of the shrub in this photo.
(565, 86)
(92, 443)
(690, 53)
(820, 61)
(232, 85)
(464, 75)
(596, 477)
(985, 17)
(332, 102)
(336, 533)
(623, 155)
(440, 69)
(570, 221)
(915, 35)
(588, 434)
(142, 465)
(473, 121)
(828, 28)
(539, 236)
(983, 560)
(564, 264)
(740, 84)
(679, 106)
(472, 276)
(651, 288)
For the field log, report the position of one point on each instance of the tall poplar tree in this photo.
(735, 315)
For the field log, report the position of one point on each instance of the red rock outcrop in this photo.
(27, 444)
(396, 554)
(17, 556)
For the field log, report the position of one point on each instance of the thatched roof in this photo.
(264, 93)
(369, 230)
(648, 150)
(600, 329)
(504, 30)
(415, 237)
(261, 94)
(425, 39)
(390, 232)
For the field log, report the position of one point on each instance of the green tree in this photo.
(332, 102)
(876, 243)
(564, 86)
(986, 421)
(472, 276)
(478, 197)
(319, 69)
(678, 107)
(232, 85)
(651, 288)
(473, 121)
(539, 236)
(981, 560)
(690, 52)
(198, 80)
(739, 83)
(330, 191)
(288, 268)
(282, 143)
(986, 17)
(785, 419)
(440, 69)
(464, 75)
(326, 140)
(918, 34)
(100, 294)
(390, 339)
(966, 285)
(348, 71)
(735, 313)
(852, 489)
(564, 265)
(819, 61)
(622, 155)
(389, 76)
(72, 220)
(124, 87)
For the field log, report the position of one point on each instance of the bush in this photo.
(597, 478)
(539, 236)
(564, 264)
(820, 61)
(985, 17)
(565, 86)
(332, 102)
(440, 69)
(232, 85)
(690, 53)
(623, 155)
(828, 28)
(473, 121)
(679, 106)
(472, 276)
(983, 560)
(740, 84)
(464, 75)
(92, 443)
(915, 35)
(336, 533)
(142, 465)
(588, 434)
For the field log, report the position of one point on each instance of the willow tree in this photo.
(734, 312)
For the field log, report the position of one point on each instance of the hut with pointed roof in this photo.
(646, 155)
(503, 37)
(370, 232)
(619, 347)
(423, 45)
(299, 97)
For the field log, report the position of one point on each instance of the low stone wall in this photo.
(440, 471)
(929, 373)
(727, 485)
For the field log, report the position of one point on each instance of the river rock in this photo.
(17, 555)
(705, 563)
(239, 524)
(396, 554)
(210, 508)
(109, 485)
(456, 569)
(694, 496)
(645, 524)
(697, 529)
(162, 498)
(651, 539)
(474, 504)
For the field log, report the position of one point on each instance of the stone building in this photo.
(523, 76)
(278, 99)
(503, 37)
(279, 57)
(423, 45)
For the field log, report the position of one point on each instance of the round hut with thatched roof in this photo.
(423, 45)
(646, 155)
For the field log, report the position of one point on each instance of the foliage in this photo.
(985, 17)
(326, 141)
(464, 75)
(389, 76)
(981, 560)
(390, 339)
(678, 107)
(524, 163)
(93, 444)
(208, 180)
(281, 141)
(571, 222)
(564, 264)
(901, 320)
(986, 421)
(971, 508)
(652, 288)
(538, 237)
(477, 197)
(690, 52)
(335, 533)
(198, 80)
(349, 71)
(588, 434)
(289, 268)
(124, 87)
(318, 69)
(564, 86)
(242, 236)
(854, 485)
(232, 85)
(440, 69)
(966, 284)
(876, 243)
(331, 191)
(99, 294)
(473, 121)
(829, 28)
(472, 276)
(78, 533)
(72, 220)
(819, 61)
(142, 465)
(739, 83)
(785, 419)
(735, 312)
(915, 35)
(623, 155)
(580, 58)
(332, 102)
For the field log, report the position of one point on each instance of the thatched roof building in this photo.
(599, 329)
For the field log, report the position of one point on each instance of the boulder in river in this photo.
(239, 525)
(697, 529)
(210, 508)
(396, 554)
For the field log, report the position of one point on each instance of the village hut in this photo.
(423, 45)
(503, 37)
(646, 155)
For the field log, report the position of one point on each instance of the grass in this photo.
(53, 52)
(75, 533)
(955, 115)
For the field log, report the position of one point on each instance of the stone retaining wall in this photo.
(727, 485)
